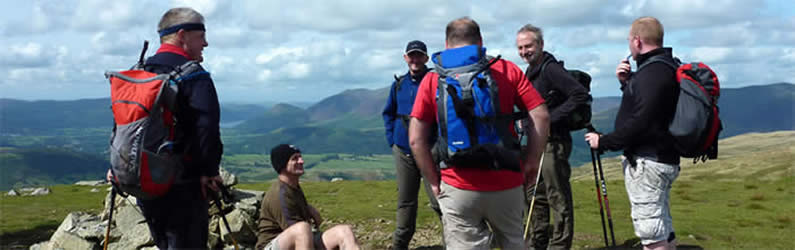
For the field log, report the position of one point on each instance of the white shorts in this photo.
(648, 186)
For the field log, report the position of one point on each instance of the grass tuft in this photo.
(784, 219)
(758, 197)
(756, 206)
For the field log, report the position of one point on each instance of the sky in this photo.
(303, 51)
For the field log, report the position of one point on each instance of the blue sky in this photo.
(290, 51)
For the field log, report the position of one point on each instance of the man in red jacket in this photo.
(472, 196)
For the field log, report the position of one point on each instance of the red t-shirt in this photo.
(514, 89)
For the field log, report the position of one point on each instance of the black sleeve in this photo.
(648, 92)
(574, 93)
(204, 100)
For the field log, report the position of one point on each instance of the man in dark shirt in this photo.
(286, 220)
(563, 94)
(179, 219)
(396, 119)
(648, 104)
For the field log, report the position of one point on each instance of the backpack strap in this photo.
(660, 58)
(398, 82)
(186, 71)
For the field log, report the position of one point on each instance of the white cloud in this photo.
(263, 48)
(264, 75)
(206, 7)
(712, 54)
(93, 15)
(296, 70)
(282, 53)
(29, 55)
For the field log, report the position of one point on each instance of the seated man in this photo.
(286, 220)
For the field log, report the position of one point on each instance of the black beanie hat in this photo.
(281, 154)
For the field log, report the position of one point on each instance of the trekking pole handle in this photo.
(143, 53)
(591, 129)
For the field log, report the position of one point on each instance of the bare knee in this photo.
(340, 236)
(297, 236)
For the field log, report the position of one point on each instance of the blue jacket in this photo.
(198, 113)
(398, 107)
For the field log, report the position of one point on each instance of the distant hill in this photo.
(311, 139)
(761, 108)
(348, 122)
(279, 116)
(49, 117)
(28, 167)
(358, 102)
(601, 104)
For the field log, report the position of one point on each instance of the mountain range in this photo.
(348, 122)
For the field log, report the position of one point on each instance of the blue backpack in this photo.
(472, 130)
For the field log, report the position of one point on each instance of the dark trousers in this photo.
(408, 181)
(178, 220)
(553, 196)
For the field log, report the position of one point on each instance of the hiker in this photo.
(487, 189)
(179, 219)
(562, 94)
(396, 118)
(650, 163)
(286, 220)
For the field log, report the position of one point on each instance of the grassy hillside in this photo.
(742, 200)
(32, 167)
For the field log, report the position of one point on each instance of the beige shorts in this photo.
(648, 186)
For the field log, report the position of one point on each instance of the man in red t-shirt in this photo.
(469, 196)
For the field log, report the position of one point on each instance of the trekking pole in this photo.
(223, 216)
(533, 202)
(598, 160)
(110, 215)
(607, 203)
(596, 182)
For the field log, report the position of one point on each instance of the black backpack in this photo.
(580, 118)
(696, 124)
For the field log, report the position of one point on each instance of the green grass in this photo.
(30, 219)
(742, 200)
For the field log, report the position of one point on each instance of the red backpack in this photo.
(696, 123)
(142, 156)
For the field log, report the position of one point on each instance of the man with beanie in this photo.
(286, 220)
(396, 120)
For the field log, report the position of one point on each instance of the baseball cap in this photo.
(416, 45)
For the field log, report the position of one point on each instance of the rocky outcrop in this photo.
(81, 230)
(40, 191)
(93, 183)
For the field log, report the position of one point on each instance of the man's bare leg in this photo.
(340, 236)
(298, 236)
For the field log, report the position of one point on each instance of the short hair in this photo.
(463, 31)
(649, 29)
(535, 30)
(177, 16)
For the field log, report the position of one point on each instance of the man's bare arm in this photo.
(419, 132)
(537, 134)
